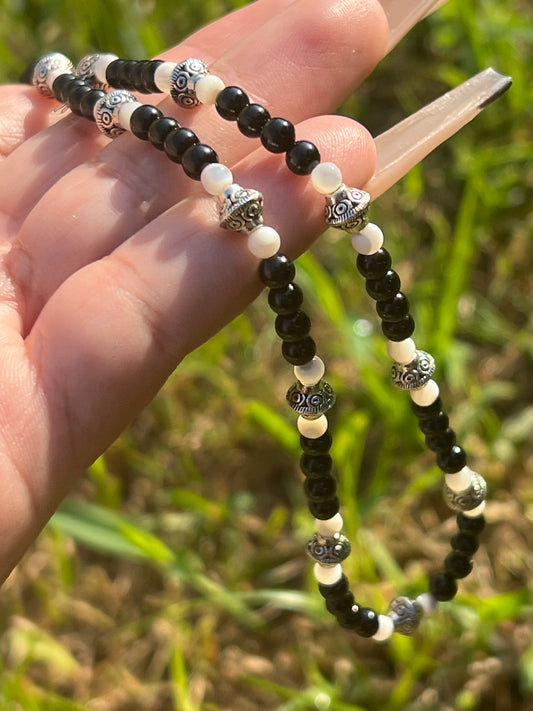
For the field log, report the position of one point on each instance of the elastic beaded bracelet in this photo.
(241, 210)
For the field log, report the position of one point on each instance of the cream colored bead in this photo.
(385, 629)
(402, 352)
(163, 76)
(473, 513)
(208, 88)
(313, 429)
(264, 242)
(310, 373)
(216, 178)
(369, 240)
(428, 603)
(326, 178)
(329, 526)
(125, 111)
(101, 65)
(460, 481)
(426, 395)
(327, 575)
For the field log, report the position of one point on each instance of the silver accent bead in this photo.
(106, 112)
(406, 615)
(311, 401)
(183, 80)
(329, 550)
(347, 209)
(415, 374)
(241, 209)
(45, 65)
(85, 70)
(469, 499)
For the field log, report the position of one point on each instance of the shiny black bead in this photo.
(320, 488)
(252, 119)
(75, 97)
(302, 157)
(424, 412)
(338, 589)
(443, 586)
(196, 158)
(293, 327)
(285, 300)
(385, 287)
(393, 309)
(137, 79)
(278, 135)
(452, 460)
(398, 330)
(141, 120)
(125, 72)
(299, 352)
(436, 423)
(177, 142)
(374, 266)
(71, 86)
(367, 623)
(60, 84)
(112, 72)
(277, 271)
(320, 445)
(441, 441)
(471, 525)
(465, 543)
(458, 565)
(341, 604)
(316, 464)
(160, 129)
(148, 73)
(89, 101)
(324, 509)
(348, 620)
(230, 102)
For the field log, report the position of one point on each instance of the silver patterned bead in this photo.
(50, 63)
(406, 615)
(183, 80)
(106, 112)
(241, 209)
(329, 550)
(85, 70)
(415, 374)
(347, 209)
(311, 401)
(469, 499)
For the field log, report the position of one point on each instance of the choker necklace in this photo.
(190, 83)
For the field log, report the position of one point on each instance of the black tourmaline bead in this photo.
(436, 423)
(336, 590)
(441, 441)
(299, 352)
(348, 619)
(374, 266)
(465, 543)
(320, 445)
(112, 72)
(160, 129)
(89, 101)
(442, 586)
(177, 142)
(141, 120)
(285, 300)
(277, 271)
(340, 605)
(452, 460)
(424, 412)
(278, 135)
(367, 622)
(458, 565)
(137, 77)
(148, 74)
(302, 157)
(196, 158)
(393, 309)
(398, 330)
(385, 287)
(471, 525)
(125, 73)
(324, 509)
(70, 86)
(293, 327)
(75, 97)
(320, 488)
(59, 85)
(316, 464)
(230, 102)
(252, 119)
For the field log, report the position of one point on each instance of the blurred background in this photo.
(174, 577)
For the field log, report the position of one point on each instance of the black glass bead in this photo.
(299, 352)
(441, 441)
(427, 411)
(341, 604)
(252, 119)
(59, 85)
(442, 586)
(141, 120)
(160, 129)
(393, 309)
(374, 266)
(471, 525)
(320, 488)
(230, 102)
(137, 79)
(367, 623)
(338, 589)
(316, 464)
(285, 300)
(71, 86)
(458, 565)
(385, 287)
(196, 158)
(89, 101)
(277, 271)
(293, 327)
(320, 445)
(112, 72)
(465, 543)
(148, 74)
(452, 460)
(348, 620)
(302, 157)
(278, 135)
(177, 142)
(75, 97)
(398, 330)
(324, 509)
(124, 74)
(436, 423)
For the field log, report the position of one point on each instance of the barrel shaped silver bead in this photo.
(240, 209)
(183, 80)
(311, 401)
(347, 209)
(469, 499)
(50, 63)
(406, 615)
(415, 374)
(106, 112)
(329, 550)
(86, 71)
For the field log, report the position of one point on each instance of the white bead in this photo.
(402, 352)
(215, 178)
(473, 513)
(369, 240)
(310, 373)
(264, 242)
(52, 76)
(208, 88)
(426, 395)
(327, 575)
(330, 526)
(460, 481)
(326, 178)
(312, 428)
(125, 111)
(101, 65)
(385, 629)
(163, 76)
(428, 603)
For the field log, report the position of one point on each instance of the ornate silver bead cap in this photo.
(416, 373)
(86, 71)
(406, 615)
(347, 209)
(311, 401)
(241, 209)
(469, 499)
(106, 112)
(183, 80)
(50, 63)
(329, 550)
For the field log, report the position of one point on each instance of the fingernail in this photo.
(404, 14)
(406, 144)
